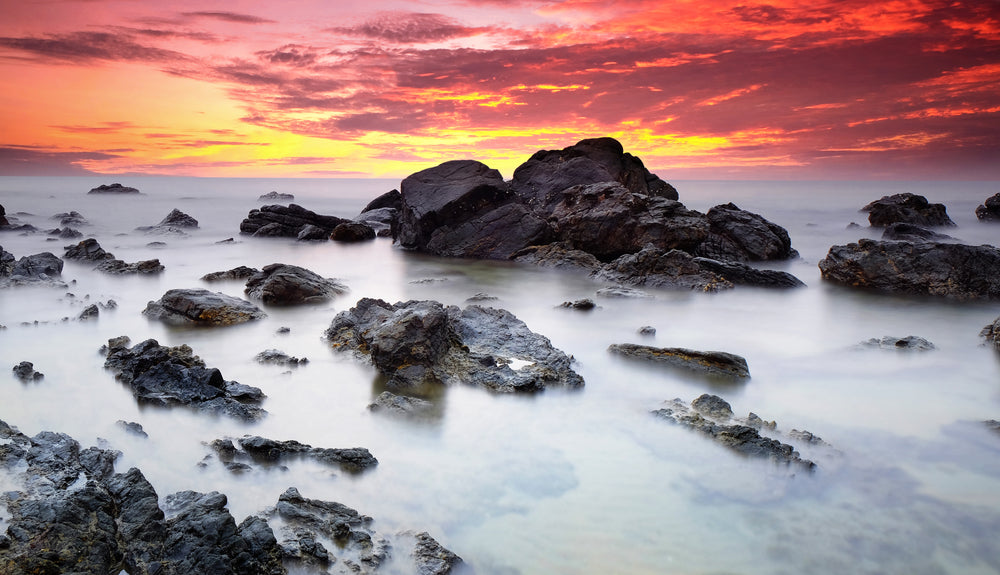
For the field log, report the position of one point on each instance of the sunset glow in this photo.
(711, 89)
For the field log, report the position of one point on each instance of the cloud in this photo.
(232, 17)
(410, 28)
(31, 161)
(85, 47)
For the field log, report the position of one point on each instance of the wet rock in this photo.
(654, 267)
(432, 558)
(647, 331)
(310, 233)
(622, 292)
(65, 233)
(71, 218)
(392, 200)
(90, 250)
(712, 416)
(286, 221)
(956, 271)
(276, 357)
(902, 231)
(580, 304)
(42, 269)
(399, 404)
(270, 451)
(276, 196)
(283, 284)
(132, 428)
(169, 376)
(201, 307)
(558, 255)
(738, 235)
(176, 222)
(87, 250)
(709, 362)
(907, 208)
(89, 312)
(384, 221)
(113, 189)
(119, 267)
(989, 211)
(237, 273)
(351, 232)
(25, 371)
(992, 333)
(910, 342)
(742, 274)
(423, 342)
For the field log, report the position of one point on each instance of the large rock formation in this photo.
(286, 221)
(956, 271)
(201, 307)
(989, 211)
(44, 269)
(906, 208)
(113, 189)
(420, 343)
(284, 284)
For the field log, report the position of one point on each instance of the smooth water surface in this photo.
(582, 481)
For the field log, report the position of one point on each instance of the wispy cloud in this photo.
(231, 17)
(84, 47)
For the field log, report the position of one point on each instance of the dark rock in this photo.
(399, 404)
(580, 304)
(907, 208)
(742, 274)
(42, 269)
(424, 342)
(175, 220)
(738, 235)
(201, 307)
(89, 312)
(992, 333)
(168, 376)
(118, 267)
(902, 231)
(113, 189)
(392, 200)
(25, 371)
(654, 267)
(131, 427)
(310, 233)
(432, 558)
(283, 330)
(955, 271)
(647, 330)
(264, 450)
(622, 292)
(989, 211)
(66, 233)
(384, 221)
(993, 425)
(6, 262)
(558, 255)
(352, 232)
(283, 284)
(710, 362)
(87, 250)
(158, 245)
(712, 416)
(3, 217)
(71, 218)
(286, 221)
(277, 196)
(237, 273)
(277, 357)
(910, 342)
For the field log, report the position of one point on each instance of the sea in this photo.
(583, 481)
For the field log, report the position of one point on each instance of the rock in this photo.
(901, 231)
(277, 196)
(174, 223)
(989, 211)
(431, 558)
(392, 200)
(654, 267)
(264, 450)
(580, 304)
(113, 189)
(399, 404)
(277, 357)
(910, 342)
(647, 331)
(201, 307)
(712, 416)
(87, 250)
(237, 273)
(956, 271)
(71, 218)
(6, 262)
(352, 232)
(286, 221)
(42, 269)
(89, 312)
(737, 235)
(90, 250)
(907, 208)
(310, 233)
(283, 284)
(3, 217)
(25, 371)
(620, 292)
(709, 362)
(558, 255)
(993, 425)
(169, 376)
(742, 274)
(423, 342)
(384, 221)
(132, 428)
(66, 233)
(992, 333)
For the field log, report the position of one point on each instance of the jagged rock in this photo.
(908, 208)
(742, 274)
(66, 233)
(737, 235)
(237, 273)
(87, 250)
(432, 558)
(989, 211)
(647, 330)
(992, 333)
(710, 362)
(955, 271)
(902, 231)
(264, 450)
(90, 250)
(168, 376)
(42, 269)
(89, 312)
(277, 357)
(712, 416)
(283, 284)
(654, 267)
(285, 221)
(580, 304)
(399, 404)
(113, 189)
(277, 196)
(3, 217)
(131, 427)
(352, 232)
(558, 255)
(25, 371)
(201, 307)
(6, 262)
(71, 218)
(423, 342)
(310, 233)
(910, 342)
(174, 223)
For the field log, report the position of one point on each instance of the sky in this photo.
(697, 89)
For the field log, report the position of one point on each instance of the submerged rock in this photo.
(424, 342)
(237, 273)
(710, 362)
(585, 304)
(87, 250)
(90, 250)
(71, 218)
(42, 269)
(399, 404)
(902, 231)
(169, 376)
(263, 450)
(907, 208)
(280, 196)
(558, 255)
(910, 342)
(113, 189)
(25, 371)
(277, 357)
(742, 274)
(201, 307)
(286, 221)
(955, 271)
(283, 284)
(176, 222)
(989, 211)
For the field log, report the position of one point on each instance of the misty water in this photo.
(565, 481)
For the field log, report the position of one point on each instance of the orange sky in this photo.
(710, 89)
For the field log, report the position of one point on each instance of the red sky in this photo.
(709, 89)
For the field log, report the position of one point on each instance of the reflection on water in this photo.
(580, 481)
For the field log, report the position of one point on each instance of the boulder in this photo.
(352, 232)
(44, 269)
(237, 273)
(431, 557)
(906, 232)
(7, 260)
(90, 250)
(310, 233)
(66, 233)
(25, 371)
(585, 304)
(201, 307)
(390, 200)
(742, 274)
(275, 196)
(89, 312)
(424, 342)
(738, 235)
(992, 333)
(712, 416)
(87, 250)
(3, 217)
(558, 255)
(174, 223)
(989, 211)
(169, 376)
(956, 271)
(384, 221)
(907, 208)
(283, 284)
(286, 221)
(707, 362)
(654, 267)
(117, 189)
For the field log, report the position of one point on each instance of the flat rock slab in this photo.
(201, 307)
(709, 362)
(270, 451)
(284, 284)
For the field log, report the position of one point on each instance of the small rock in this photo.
(399, 404)
(131, 427)
(910, 342)
(279, 196)
(709, 362)
(580, 304)
(113, 189)
(25, 371)
(237, 273)
(283, 284)
(90, 312)
(276, 357)
(647, 330)
(989, 211)
(351, 232)
(201, 307)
